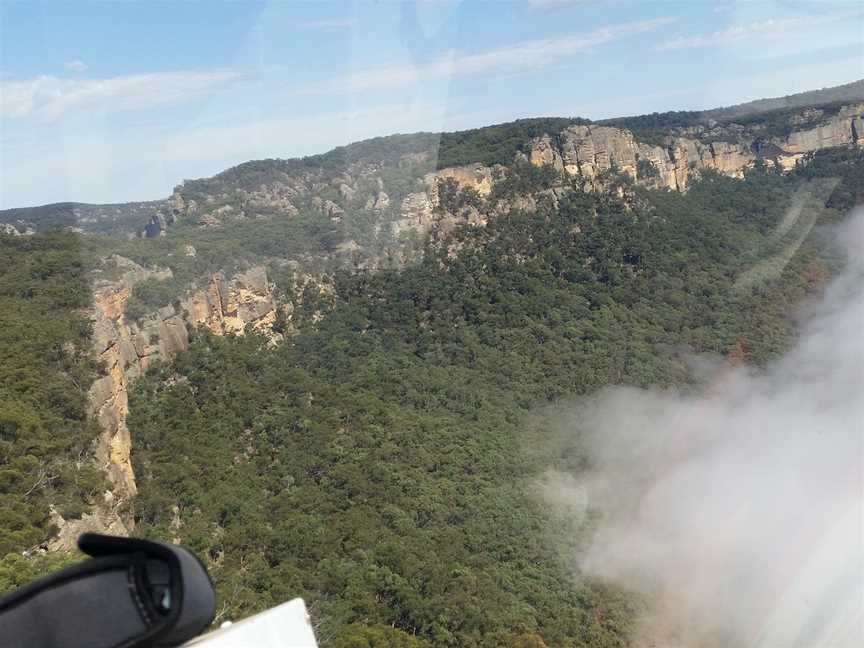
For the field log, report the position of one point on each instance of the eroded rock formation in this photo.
(228, 306)
(588, 152)
(127, 348)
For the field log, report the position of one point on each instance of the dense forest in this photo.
(45, 371)
(385, 465)
(386, 460)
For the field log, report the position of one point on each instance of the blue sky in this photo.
(111, 102)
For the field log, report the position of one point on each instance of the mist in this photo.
(738, 513)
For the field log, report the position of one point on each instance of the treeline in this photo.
(655, 128)
(497, 144)
(385, 464)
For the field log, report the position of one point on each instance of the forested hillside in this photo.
(385, 465)
(45, 370)
(331, 376)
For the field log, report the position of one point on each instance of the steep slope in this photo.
(371, 181)
(301, 356)
(247, 246)
(589, 151)
(397, 191)
(47, 470)
(386, 463)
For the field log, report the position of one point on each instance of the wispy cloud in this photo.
(98, 165)
(519, 57)
(75, 66)
(337, 23)
(763, 29)
(47, 98)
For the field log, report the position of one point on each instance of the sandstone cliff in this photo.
(588, 152)
(399, 194)
(127, 348)
(228, 306)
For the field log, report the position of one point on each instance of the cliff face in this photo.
(476, 176)
(380, 201)
(128, 348)
(411, 206)
(392, 200)
(228, 306)
(587, 152)
(846, 128)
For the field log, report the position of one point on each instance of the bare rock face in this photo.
(346, 192)
(100, 520)
(846, 128)
(158, 224)
(473, 176)
(228, 306)
(416, 214)
(328, 208)
(126, 350)
(6, 228)
(382, 201)
(588, 152)
(545, 152)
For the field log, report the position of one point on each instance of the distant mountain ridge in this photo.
(848, 92)
(749, 124)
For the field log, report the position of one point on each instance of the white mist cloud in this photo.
(739, 513)
(47, 98)
(520, 56)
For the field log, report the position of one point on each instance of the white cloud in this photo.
(75, 66)
(521, 56)
(774, 28)
(737, 512)
(337, 23)
(46, 98)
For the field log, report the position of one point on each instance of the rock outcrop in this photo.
(158, 224)
(417, 214)
(127, 348)
(589, 152)
(227, 306)
(846, 128)
(587, 156)
(473, 176)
